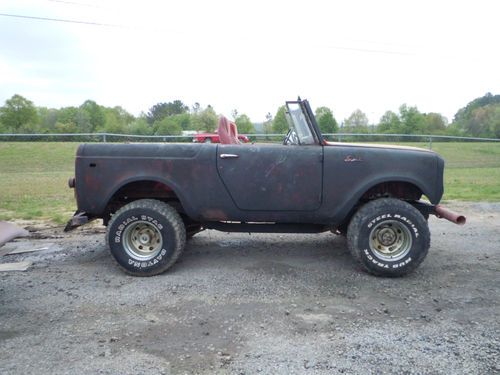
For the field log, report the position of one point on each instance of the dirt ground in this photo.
(246, 304)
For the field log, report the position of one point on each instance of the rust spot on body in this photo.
(215, 214)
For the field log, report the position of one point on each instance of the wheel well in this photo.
(141, 190)
(392, 189)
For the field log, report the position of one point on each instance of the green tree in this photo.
(140, 126)
(47, 119)
(280, 125)
(69, 127)
(123, 115)
(168, 126)
(389, 123)
(479, 118)
(326, 121)
(161, 110)
(357, 122)
(113, 122)
(72, 120)
(18, 113)
(184, 120)
(206, 120)
(495, 122)
(172, 124)
(484, 121)
(244, 124)
(412, 120)
(66, 114)
(92, 117)
(435, 123)
(82, 121)
(465, 113)
(95, 115)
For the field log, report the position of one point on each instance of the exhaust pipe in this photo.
(444, 213)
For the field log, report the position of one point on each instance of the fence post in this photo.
(104, 137)
(430, 143)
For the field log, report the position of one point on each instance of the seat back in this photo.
(228, 131)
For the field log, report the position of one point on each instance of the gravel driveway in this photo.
(246, 304)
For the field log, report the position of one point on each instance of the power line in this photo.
(374, 50)
(110, 25)
(62, 20)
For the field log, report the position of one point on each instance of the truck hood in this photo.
(373, 145)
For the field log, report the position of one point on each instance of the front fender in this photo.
(355, 198)
(350, 172)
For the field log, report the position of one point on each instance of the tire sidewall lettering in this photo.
(117, 240)
(149, 263)
(380, 263)
(152, 221)
(122, 226)
(392, 216)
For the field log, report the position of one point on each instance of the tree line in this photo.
(479, 118)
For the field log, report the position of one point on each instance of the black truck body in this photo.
(317, 184)
(305, 184)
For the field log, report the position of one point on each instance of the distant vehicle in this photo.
(152, 197)
(214, 138)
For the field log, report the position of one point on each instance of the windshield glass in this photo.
(297, 123)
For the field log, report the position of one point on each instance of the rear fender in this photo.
(170, 184)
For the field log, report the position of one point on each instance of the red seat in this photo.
(228, 131)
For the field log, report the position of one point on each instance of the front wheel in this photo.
(389, 237)
(146, 237)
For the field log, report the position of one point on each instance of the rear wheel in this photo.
(146, 237)
(389, 237)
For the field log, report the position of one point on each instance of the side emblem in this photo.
(352, 159)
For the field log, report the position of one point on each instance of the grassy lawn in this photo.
(33, 183)
(472, 171)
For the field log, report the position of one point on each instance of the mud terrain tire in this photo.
(388, 237)
(146, 237)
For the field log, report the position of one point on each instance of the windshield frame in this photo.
(303, 123)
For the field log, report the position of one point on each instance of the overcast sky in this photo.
(252, 55)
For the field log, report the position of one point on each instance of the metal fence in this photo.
(338, 137)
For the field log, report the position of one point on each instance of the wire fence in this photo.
(428, 139)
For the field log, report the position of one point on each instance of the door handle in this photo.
(228, 156)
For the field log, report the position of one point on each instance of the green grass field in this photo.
(33, 183)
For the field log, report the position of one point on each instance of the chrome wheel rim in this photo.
(390, 240)
(142, 241)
